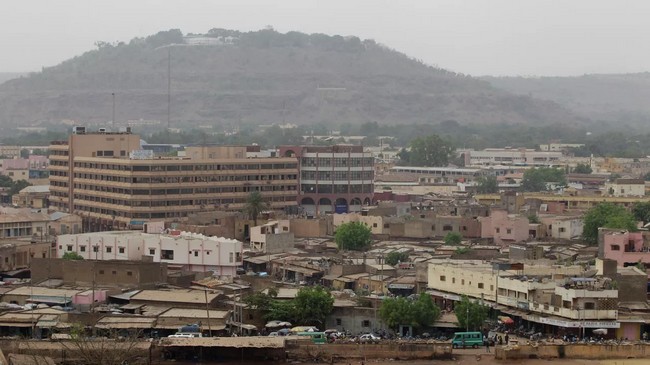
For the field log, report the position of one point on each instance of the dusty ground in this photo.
(487, 359)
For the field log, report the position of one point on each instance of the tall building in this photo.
(333, 178)
(106, 178)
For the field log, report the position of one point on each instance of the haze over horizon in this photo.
(499, 37)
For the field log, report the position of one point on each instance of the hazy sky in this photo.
(478, 37)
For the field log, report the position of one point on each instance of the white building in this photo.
(559, 147)
(626, 187)
(511, 156)
(181, 250)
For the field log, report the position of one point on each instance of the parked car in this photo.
(369, 337)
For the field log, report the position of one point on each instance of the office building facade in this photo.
(336, 179)
(105, 179)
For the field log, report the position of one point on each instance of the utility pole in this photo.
(113, 119)
(207, 312)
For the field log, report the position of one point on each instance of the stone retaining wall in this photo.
(398, 351)
(573, 351)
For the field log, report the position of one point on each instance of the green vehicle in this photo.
(316, 337)
(467, 339)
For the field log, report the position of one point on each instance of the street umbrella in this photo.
(273, 324)
(600, 331)
(506, 320)
(284, 324)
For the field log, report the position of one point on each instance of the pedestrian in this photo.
(487, 345)
(506, 339)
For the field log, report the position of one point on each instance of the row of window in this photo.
(184, 179)
(337, 161)
(337, 189)
(185, 167)
(462, 282)
(337, 175)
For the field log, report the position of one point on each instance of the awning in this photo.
(132, 306)
(47, 324)
(125, 325)
(345, 280)
(330, 277)
(401, 286)
(443, 295)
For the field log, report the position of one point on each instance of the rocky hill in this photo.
(228, 77)
(610, 98)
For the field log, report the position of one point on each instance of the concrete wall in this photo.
(310, 228)
(573, 351)
(302, 350)
(105, 273)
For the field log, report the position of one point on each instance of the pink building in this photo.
(626, 248)
(504, 228)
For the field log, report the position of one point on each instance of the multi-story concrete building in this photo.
(101, 178)
(333, 178)
(181, 251)
(511, 156)
(547, 295)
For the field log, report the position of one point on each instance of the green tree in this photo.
(430, 151)
(261, 301)
(353, 236)
(606, 215)
(395, 257)
(473, 311)
(255, 205)
(536, 179)
(582, 168)
(453, 238)
(72, 256)
(402, 311)
(313, 305)
(487, 185)
(18, 186)
(6, 182)
(533, 218)
(641, 211)
(281, 310)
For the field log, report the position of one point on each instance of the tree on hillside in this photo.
(313, 305)
(487, 185)
(255, 205)
(402, 311)
(606, 215)
(582, 168)
(453, 238)
(353, 236)
(536, 179)
(395, 257)
(429, 151)
(470, 314)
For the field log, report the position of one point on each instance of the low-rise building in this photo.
(180, 250)
(272, 237)
(35, 196)
(563, 227)
(110, 273)
(504, 228)
(23, 223)
(626, 248)
(626, 187)
(555, 296)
